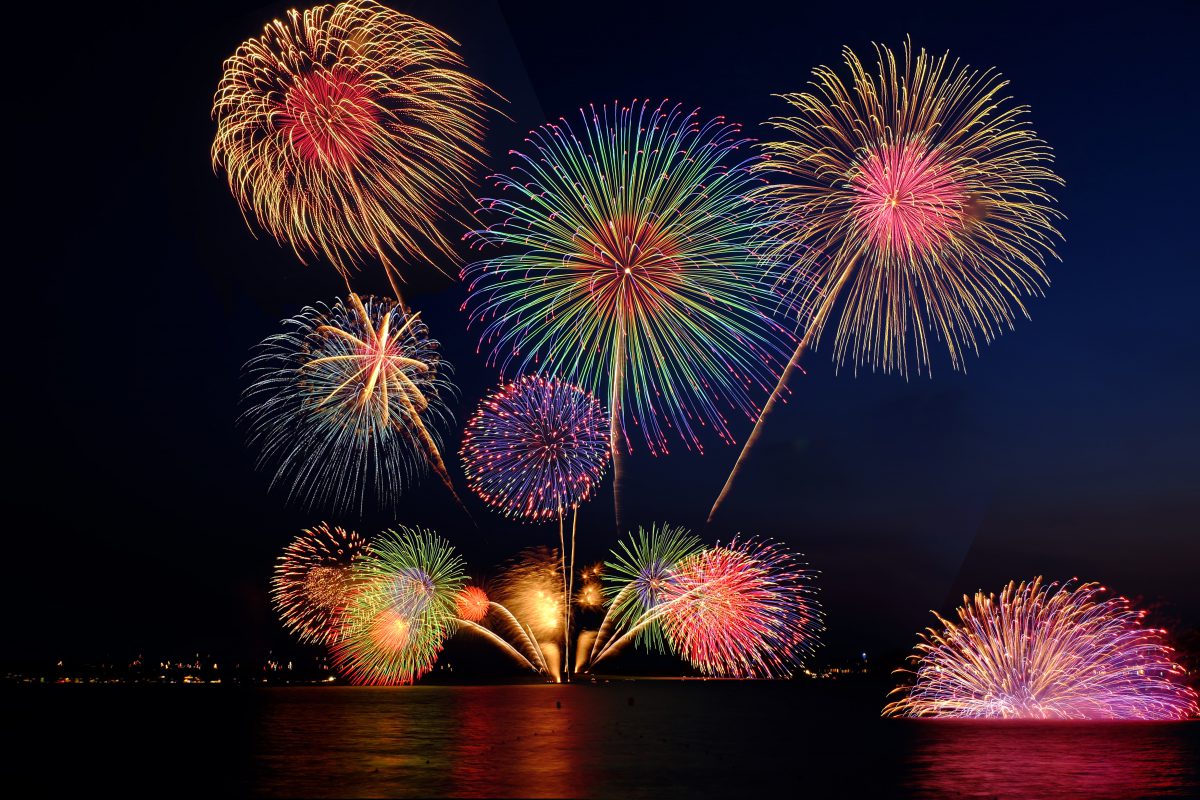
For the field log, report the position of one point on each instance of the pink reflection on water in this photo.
(1086, 760)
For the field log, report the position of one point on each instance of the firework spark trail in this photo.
(1045, 652)
(915, 199)
(639, 626)
(526, 632)
(628, 267)
(491, 636)
(535, 448)
(777, 395)
(349, 131)
(607, 625)
(403, 608)
(533, 589)
(313, 581)
(614, 432)
(566, 602)
(348, 397)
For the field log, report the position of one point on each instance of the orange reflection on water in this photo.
(1009, 759)
(517, 743)
(428, 741)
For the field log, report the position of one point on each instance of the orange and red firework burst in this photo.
(472, 604)
(314, 581)
(348, 131)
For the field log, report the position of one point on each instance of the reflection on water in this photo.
(643, 739)
(470, 741)
(516, 741)
(1090, 761)
(466, 741)
(650, 740)
(656, 739)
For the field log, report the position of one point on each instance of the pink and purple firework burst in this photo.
(745, 610)
(536, 447)
(1046, 652)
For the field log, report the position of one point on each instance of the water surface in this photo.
(643, 739)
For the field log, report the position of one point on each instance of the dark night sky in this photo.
(1069, 448)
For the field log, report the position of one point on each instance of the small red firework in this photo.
(472, 604)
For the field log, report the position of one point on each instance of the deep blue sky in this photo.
(1069, 447)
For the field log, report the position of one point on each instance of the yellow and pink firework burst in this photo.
(910, 205)
(348, 131)
(314, 581)
(1045, 652)
(919, 196)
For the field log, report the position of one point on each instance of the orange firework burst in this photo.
(346, 130)
(314, 581)
(532, 588)
(471, 604)
(591, 592)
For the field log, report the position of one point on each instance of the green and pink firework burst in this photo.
(619, 257)
(403, 609)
